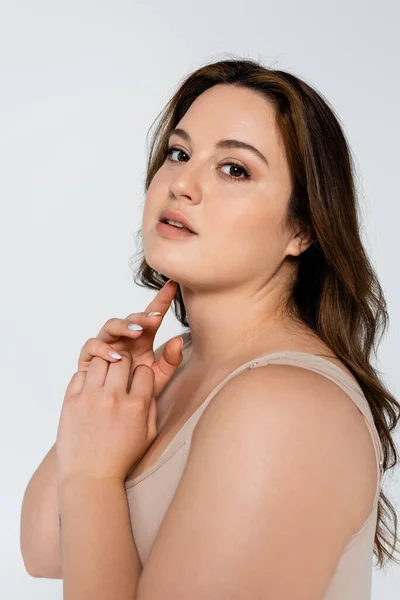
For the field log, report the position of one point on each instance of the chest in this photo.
(181, 397)
(175, 405)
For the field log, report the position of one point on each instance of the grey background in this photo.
(81, 82)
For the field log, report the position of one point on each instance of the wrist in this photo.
(84, 486)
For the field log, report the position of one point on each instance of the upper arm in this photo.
(39, 524)
(266, 501)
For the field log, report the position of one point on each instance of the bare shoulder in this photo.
(298, 414)
(279, 474)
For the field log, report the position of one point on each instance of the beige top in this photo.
(150, 493)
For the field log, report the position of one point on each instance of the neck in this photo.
(234, 325)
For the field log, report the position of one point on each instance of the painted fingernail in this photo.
(114, 354)
(153, 314)
(135, 327)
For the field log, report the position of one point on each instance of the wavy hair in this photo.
(336, 291)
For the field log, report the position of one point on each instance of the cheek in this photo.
(155, 201)
(159, 184)
(247, 243)
(251, 227)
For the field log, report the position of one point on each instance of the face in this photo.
(235, 199)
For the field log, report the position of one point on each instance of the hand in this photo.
(93, 440)
(105, 427)
(115, 336)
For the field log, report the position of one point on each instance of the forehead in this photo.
(226, 111)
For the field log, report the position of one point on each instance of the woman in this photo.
(263, 476)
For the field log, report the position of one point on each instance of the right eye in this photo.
(168, 152)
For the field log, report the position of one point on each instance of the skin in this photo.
(233, 274)
(218, 538)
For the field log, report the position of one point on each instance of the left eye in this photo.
(233, 164)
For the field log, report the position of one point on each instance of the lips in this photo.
(174, 215)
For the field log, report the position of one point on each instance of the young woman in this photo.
(257, 473)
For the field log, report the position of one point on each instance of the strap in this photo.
(325, 367)
(319, 365)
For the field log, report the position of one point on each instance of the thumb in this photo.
(172, 355)
(168, 362)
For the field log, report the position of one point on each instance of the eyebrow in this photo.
(228, 143)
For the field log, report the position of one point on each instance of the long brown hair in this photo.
(336, 291)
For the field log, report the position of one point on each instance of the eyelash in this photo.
(168, 151)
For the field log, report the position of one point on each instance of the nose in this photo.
(187, 184)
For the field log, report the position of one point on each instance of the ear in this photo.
(300, 242)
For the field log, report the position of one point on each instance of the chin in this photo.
(161, 265)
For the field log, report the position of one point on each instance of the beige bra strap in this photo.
(325, 367)
(314, 363)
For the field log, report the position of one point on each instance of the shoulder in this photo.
(280, 390)
(268, 494)
(294, 416)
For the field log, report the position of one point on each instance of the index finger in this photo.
(161, 302)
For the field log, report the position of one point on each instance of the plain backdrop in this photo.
(81, 83)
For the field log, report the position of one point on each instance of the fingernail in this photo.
(114, 354)
(135, 327)
(153, 314)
